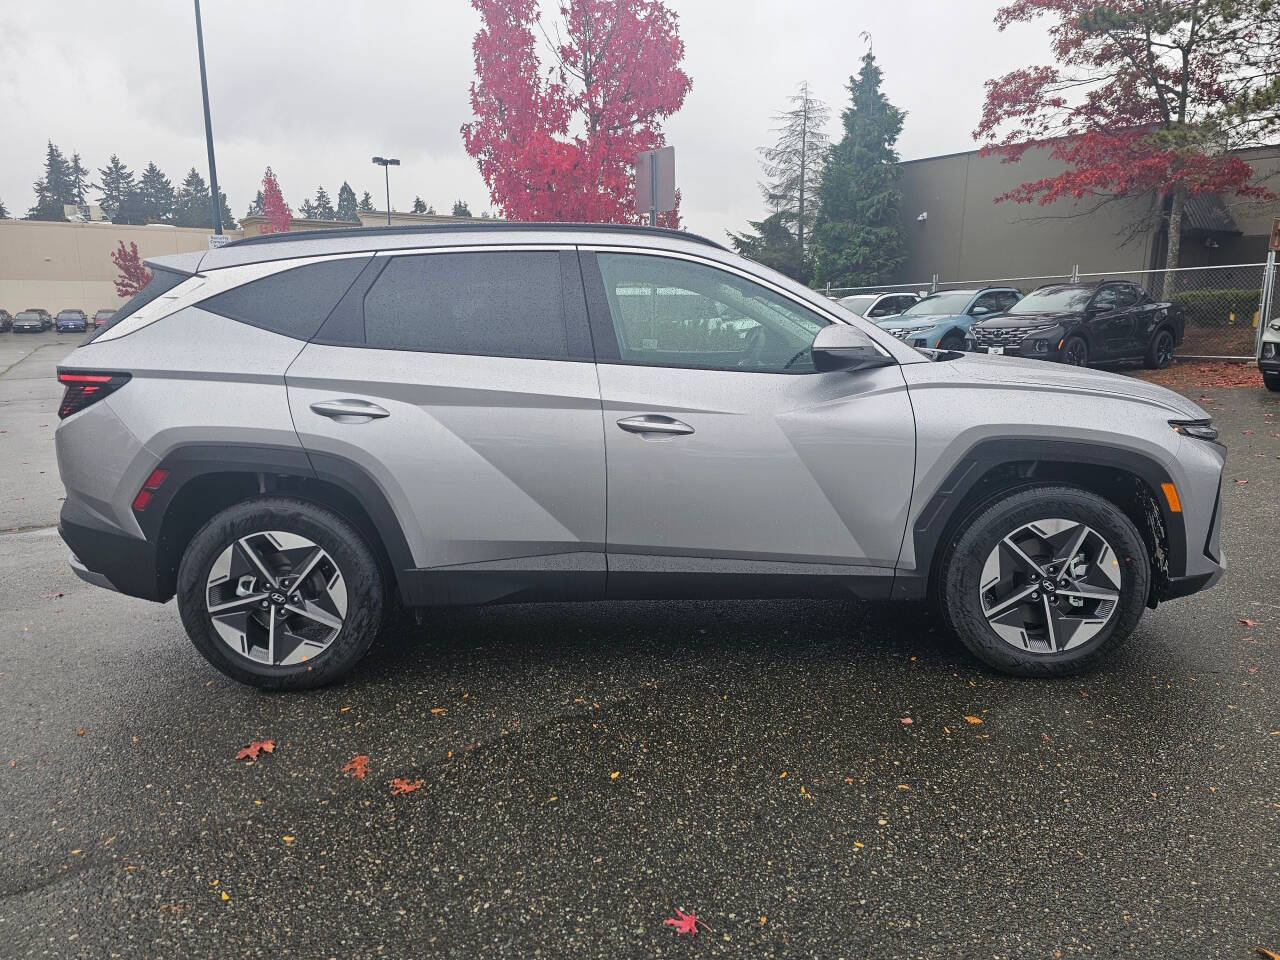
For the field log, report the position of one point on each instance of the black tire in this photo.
(961, 572)
(1160, 350)
(350, 553)
(1075, 352)
(1272, 381)
(952, 341)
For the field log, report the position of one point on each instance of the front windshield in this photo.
(940, 305)
(27, 315)
(1054, 299)
(857, 304)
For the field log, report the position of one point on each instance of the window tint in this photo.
(1106, 298)
(493, 304)
(1126, 295)
(162, 281)
(293, 303)
(669, 312)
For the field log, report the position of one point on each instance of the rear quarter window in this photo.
(162, 281)
(293, 303)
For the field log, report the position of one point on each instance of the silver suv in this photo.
(300, 434)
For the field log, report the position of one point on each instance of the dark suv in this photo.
(1083, 323)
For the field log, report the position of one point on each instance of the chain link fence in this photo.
(1219, 304)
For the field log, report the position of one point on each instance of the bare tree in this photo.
(793, 166)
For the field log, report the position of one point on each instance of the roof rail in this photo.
(478, 226)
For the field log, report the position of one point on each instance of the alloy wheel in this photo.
(1164, 349)
(1076, 353)
(276, 598)
(1050, 585)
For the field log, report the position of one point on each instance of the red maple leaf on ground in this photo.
(401, 785)
(357, 766)
(258, 746)
(685, 922)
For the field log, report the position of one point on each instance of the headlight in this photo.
(1200, 429)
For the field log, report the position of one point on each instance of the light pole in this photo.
(384, 163)
(208, 129)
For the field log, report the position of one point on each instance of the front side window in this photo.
(676, 313)
(499, 304)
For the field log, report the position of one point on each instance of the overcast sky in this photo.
(316, 87)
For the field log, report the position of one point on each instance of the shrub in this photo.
(1213, 308)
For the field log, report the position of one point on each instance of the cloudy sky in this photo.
(316, 87)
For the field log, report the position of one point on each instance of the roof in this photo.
(1206, 213)
(496, 226)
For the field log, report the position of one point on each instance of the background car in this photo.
(878, 306)
(101, 317)
(46, 318)
(942, 320)
(72, 321)
(31, 321)
(1082, 323)
(6, 321)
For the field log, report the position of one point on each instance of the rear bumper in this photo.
(107, 557)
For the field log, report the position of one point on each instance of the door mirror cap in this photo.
(979, 311)
(1101, 308)
(842, 347)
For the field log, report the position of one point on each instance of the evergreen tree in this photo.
(116, 182)
(308, 209)
(191, 206)
(793, 166)
(258, 207)
(366, 203)
(53, 189)
(347, 203)
(419, 205)
(322, 206)
(132, 209)
(228, 221)
(155, 192)
(79, 177)
(858, 235)
(772, 243)
(460, 208)
(4, 211)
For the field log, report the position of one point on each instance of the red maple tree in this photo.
(134, 274)
(1146, 98)
(560, 144)
(277, 212)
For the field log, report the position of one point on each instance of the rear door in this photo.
(733, 465)
(461, 384)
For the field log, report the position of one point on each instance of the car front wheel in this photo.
(1046, 581)
(280, 593)
(1075, 352)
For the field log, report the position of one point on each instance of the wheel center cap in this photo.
(278, 598)
(1049, 586)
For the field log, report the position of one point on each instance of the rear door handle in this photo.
(654, 423)
(349, 411)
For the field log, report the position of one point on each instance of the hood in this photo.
(985, 368)
(920, 322)
(1026, 320)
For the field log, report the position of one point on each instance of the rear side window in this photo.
(293, 303)
(492, 304)
(162, 281)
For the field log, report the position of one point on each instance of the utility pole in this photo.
(208, 129)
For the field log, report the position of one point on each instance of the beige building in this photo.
(57, 266)
(956, 230)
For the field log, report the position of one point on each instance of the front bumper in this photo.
(73, 328)
(27, 329)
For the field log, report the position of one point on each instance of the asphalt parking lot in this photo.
(813, 779)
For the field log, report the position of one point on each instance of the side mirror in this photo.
(979, 311)
(841, 347)
(1099, 308)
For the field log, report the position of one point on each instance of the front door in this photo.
(733, 466)
(1112, 313)
(461, 384)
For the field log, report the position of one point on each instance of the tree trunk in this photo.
(1173, 246)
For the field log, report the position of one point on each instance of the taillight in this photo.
(85, 388)
(149, 487)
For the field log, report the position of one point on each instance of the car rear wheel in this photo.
(281, 594)
(1272, 381)
(1075, 352)
(1159, 350)
(1046, 581)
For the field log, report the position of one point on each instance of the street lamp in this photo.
(208, 129)
(385, 162)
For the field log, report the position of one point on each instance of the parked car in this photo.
(46, 318)
(438, 441)
(31, 321)
(72, 321)
(942, 320)
(6, 321)
(1083, 323)
(878, 306)
(101, 317)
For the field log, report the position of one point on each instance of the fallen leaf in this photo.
(288, 839)
(1239, 482)
(685, 922)
(439, 710)
(614, 775)
(782, 775)
(225, 895)
(357, 766)
(903, 786)
(401, 785)
(970, 718)
(79, 731)
(258, 746)
(906, 720)
(1246, 621)
(1269, 954)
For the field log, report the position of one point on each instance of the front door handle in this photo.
(349, 411)
(654, 423)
